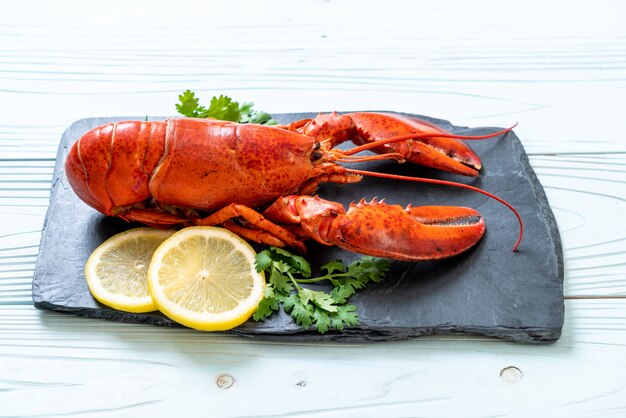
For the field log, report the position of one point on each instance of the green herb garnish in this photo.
(287, 272)
(223, 108)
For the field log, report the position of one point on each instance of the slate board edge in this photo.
(537, 335)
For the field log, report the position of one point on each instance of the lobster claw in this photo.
(425, 144)
(381, 230)
(410, 234)
(435, 148)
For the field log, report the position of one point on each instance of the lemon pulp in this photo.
(116, 271)
(205, 278)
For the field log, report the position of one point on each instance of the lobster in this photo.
(257, 181)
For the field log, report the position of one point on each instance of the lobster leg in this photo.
(378, 229)
(152, 218)
(311, 185)
(254, 234)
(257, 222)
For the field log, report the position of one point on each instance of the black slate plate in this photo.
(487, 291)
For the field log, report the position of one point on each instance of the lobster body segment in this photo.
(208, 172)
(210, 165)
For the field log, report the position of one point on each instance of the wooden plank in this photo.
(586, 193)
(538, 130)
(143, 369)
(474, 63)
(82, 64)
(24, 191)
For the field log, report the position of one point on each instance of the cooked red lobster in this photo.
(257, 180)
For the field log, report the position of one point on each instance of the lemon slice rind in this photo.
(93, 274)
(204, 320)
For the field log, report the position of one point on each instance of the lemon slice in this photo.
(117, 270)
(204, 278)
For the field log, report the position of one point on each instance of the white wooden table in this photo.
(559, 68)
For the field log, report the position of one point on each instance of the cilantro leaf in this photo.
(280, 282)
(302, 313)
(322, 320)
(298, 263)
(268, 305)
(321, 299)
(222, 108)
(262, 261)
(189, 105)
(308, 307)
(334, 266)
(341, 293)
(290, 301)
(345, 316)
(248, 115)
(358, 275)
(369, 269)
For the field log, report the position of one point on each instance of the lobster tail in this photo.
(86, 166)
(110, 166)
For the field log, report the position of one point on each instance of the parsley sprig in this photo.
(287, 272)
(223, 108)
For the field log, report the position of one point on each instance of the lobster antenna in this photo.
(446, 183)
(420, 135)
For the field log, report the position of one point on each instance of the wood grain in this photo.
(484, 66)
(558, 68)
(145, 369)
